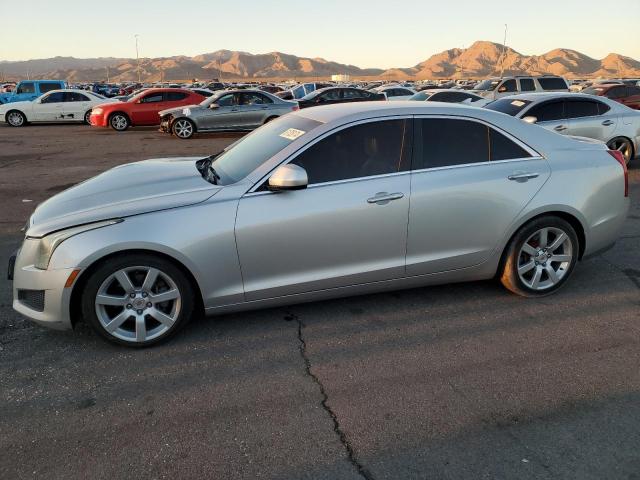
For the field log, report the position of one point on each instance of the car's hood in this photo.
(126, 190)
(18, 105)
(168, 111)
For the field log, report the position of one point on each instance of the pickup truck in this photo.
(28, 90)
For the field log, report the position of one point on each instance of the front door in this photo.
(348, 227)
(469, 184)
(49, 108)
(146, 111)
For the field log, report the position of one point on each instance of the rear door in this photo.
(253, 109)
(75, 105)
(550, 115)
(470, 182)
(590, 118)
(632, 100)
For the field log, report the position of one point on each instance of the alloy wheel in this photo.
(138, 304)
(15, 119)
(545, 258)
(623, 146)
(119, 122)
(183, 128)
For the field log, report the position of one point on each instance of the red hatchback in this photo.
(628, 95)
(142, 109)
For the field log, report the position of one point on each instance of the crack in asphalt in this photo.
(631, 273)
(362, 471)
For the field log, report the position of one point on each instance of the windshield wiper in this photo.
(206, 169)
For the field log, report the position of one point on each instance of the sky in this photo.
(371, 33)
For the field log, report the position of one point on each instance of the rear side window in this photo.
(365, 150)
(552, 83)
(617, 92)
(75, 97)
(582, 108)
(55, 97)
(48, 86)
(548, 112)
(175, 96)
(527, 85)
(447, 142)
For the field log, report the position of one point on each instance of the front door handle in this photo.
(523, 176)
(382, 198)
(560, 128)
(607, 122)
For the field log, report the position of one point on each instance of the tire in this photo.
(624, 145)
(183, 128)
(144, 314)
(119, 122)
(87, 117)
(535, 267)
(16, 118)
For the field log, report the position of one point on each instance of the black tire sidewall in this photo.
(113, 264)
(523, 234)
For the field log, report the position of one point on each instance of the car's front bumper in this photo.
(98, 120)
(40, 295)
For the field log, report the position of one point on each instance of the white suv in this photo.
(494, 88)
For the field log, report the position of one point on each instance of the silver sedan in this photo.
(230, 110)
(325, 202)
(578, 114)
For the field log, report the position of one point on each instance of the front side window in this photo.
(227, 100)
(55, 97)
(582, 108)
(152, 98)
(488, 85)
(353, 93)
(508, 86)
(329, 95)
(552, 83)
(616, 92)
(548, 112)
(48, 86)
(26, 87)
(365, 150)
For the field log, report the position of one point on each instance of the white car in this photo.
(448, 95)
(396, 92)
(66, 105)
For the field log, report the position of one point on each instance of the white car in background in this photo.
(396, 92)
(448, 95)
(59, 106)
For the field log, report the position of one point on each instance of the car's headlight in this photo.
(97, 111)
(49, 243)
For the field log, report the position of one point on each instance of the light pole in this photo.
(504, 49)
(137, 57)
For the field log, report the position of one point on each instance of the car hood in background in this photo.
(126, 190)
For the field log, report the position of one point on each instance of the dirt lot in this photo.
(450, 382)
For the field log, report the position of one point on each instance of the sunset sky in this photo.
(368, 33)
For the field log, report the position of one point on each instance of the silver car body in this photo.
(618, 121)
(236, 116)
(247, 248)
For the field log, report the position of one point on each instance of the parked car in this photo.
(205, 92)
(142, 109)
(316, 205)
(234, 110)
(396, 92)
(331, 95)
(624, 94)
(449, 96)
(28, 90)
(578, 114)
(494, 88)
(57, 106)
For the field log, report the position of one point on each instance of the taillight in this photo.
(617, 154)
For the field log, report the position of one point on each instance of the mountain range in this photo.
(482, 59)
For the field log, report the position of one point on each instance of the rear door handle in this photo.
(560, 128)
(607, 122)
(523, 176)
(382, 198)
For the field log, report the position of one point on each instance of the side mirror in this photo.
(530, 119)
(213, 106)
(288, 177)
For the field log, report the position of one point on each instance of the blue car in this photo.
(28, 90)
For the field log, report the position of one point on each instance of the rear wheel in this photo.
(540, 257)
(183, 128)
(15, 118)
(119, 122)
(87, 117)
(137, 300)
(624, 146)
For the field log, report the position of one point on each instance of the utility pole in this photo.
(137, 57)
(107, 68)
(504, 49)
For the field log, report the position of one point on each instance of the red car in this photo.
(628, 95)
(142, 109)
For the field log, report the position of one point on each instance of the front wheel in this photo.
(16, 118)
(540, 257)
(137, 300)
(183, 128)
(119, 122)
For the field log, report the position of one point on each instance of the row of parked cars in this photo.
(605, 111)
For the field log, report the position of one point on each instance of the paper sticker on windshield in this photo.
(292, 133)
(517, 103)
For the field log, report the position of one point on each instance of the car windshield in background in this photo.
(510, 106)
(245, 156)
(592, 90)
(421, 96)
(488, 85)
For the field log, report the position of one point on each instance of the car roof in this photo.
(537, 96)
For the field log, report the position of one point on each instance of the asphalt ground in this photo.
(462, 381)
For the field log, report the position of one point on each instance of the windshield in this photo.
(421, 96)
(244, 156)
(509, 106)
(488, 85)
